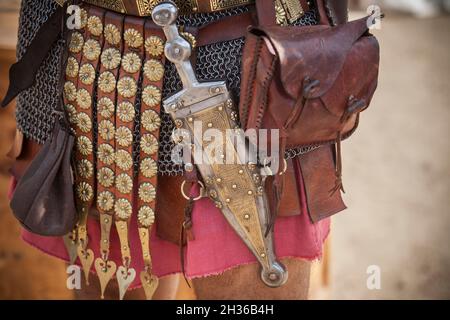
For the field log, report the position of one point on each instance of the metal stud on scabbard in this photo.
(231, 186)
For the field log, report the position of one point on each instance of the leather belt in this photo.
(144, 7)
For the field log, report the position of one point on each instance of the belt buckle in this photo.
(288, 11)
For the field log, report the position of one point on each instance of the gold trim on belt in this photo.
(144, 7)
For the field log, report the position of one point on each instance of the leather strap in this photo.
(22, 74)
(266, 12)
(126, 97)
(322, 12)
(147, 180)
(105, 165)
(84, 155)
(337, 11)
(106, 100)
(225, 29)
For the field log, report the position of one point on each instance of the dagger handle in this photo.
(177, 49)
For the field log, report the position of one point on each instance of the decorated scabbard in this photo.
(237, 188)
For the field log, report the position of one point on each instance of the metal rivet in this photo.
(246, 216)
(218, 180)
(210, 125)
(250, 192)
(263, 255)
(228, 200)
(190, 119)
(241, 171)
(260, 190)
(189, 167)
(234, 186)
(178, 123)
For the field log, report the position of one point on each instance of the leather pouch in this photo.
(43, 200)
(309, 82)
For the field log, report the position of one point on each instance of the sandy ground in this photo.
(396, 172)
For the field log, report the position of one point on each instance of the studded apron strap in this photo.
(85, 48)
(127, 89)
(106, 112)
(150, 123)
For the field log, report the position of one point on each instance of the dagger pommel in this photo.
(177, 49)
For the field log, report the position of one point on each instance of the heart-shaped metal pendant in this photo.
(124, 278)
(149, 283)
(105, 271)
(87, 259)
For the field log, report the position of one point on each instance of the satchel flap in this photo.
(317, 52)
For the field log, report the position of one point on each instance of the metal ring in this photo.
(202, 188)
(285, 164)
(285, 167)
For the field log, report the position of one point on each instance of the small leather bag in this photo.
(43, 199)
(310, 82)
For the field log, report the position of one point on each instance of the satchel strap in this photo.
(322, 12)
(266, 12)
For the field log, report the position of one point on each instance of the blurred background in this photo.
(396, 173)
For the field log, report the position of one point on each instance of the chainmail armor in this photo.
(35, 105)
(220, 61)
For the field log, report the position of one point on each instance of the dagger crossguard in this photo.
(178, 50)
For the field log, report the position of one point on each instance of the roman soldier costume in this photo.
(111, 106)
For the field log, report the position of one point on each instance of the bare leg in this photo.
(167, 290)
(244, 282)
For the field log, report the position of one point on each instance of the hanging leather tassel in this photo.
(186, 233)
(338, 184)
(277, 185)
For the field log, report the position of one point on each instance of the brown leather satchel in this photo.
(309, 82)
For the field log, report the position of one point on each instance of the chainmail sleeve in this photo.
(35, 105)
